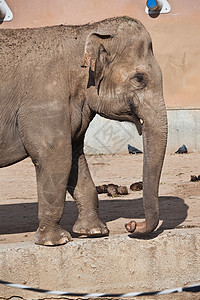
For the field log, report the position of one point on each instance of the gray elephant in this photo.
(53, 82)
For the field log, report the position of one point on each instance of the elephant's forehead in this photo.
(135, 47)
(131, 35)
(133, 59)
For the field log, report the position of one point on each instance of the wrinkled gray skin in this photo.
(53, 82)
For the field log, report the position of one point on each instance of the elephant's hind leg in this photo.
(82, 189)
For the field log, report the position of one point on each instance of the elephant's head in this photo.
(125, 83)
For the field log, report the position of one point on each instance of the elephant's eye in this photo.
(139, 77)
(138, 80)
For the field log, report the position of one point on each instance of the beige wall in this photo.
(176, 36)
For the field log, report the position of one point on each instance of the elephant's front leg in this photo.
(45, 130)
(52, 179)
(82, 189)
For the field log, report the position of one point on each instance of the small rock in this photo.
(112, 190)
(193, 178)
(137, 186)
(102, 189)
(122, 190)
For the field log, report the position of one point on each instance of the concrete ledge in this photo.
(116, 264)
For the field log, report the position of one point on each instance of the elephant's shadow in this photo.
(19, 218)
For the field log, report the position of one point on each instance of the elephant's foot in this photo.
(51, 236)
(139, 228)
(90, 226)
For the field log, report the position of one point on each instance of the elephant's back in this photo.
(32, 46)
(18, 44)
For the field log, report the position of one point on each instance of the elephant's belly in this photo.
(11, 149)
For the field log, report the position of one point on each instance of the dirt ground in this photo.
(179, 199)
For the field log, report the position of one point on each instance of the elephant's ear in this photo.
(101, 62)
(96, 56)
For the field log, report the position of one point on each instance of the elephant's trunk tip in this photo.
(130, 227)
(141, 227)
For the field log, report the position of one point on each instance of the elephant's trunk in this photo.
(154, 142)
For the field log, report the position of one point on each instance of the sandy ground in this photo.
(179, 199)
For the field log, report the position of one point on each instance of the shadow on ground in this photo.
(20, 218)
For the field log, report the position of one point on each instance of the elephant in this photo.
(54, 80)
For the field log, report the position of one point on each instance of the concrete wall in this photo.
(184, 128)
(176, 41)
(105, 136)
